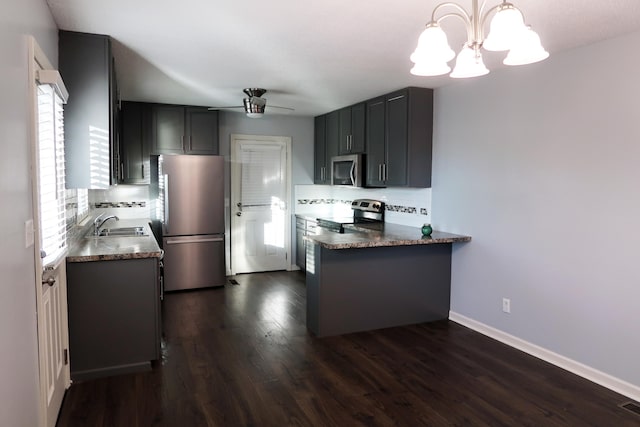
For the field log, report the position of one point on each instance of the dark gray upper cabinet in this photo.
(376, 156)
(136, 142)
(326, 139)
(201, 129)
(352, 129)
(320, 151)
(332, 138)
(168, 129)
(184, 130)
(91, 129)
(407, 142)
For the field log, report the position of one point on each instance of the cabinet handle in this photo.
(379, 172)
(182, 142)
(142, 170)
(384, 171)
(190, 144)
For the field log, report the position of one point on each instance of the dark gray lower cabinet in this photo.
(114, 316)
(304, 227)
(352, 290)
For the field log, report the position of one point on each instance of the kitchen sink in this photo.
(122, 232)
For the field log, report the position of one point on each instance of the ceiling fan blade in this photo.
(281, 108)
(223, 108)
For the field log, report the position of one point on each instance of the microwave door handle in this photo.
(353, 173)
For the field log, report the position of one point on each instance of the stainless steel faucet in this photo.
(99, 222)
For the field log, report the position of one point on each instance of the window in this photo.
(51, 96)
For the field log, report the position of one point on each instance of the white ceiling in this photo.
(312, 56)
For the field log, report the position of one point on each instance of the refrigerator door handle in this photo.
(166, 202)
(177, 241)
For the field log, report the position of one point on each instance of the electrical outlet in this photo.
(506, 305)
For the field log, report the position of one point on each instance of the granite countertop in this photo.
(362, 236)
(110, 248)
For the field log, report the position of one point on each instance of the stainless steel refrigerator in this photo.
(190, 192)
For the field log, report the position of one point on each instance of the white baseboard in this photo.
(594, 375)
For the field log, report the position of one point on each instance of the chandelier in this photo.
(508, 32)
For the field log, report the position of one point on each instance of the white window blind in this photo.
(261, 180)
(51, 173)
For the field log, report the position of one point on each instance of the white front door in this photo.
(51, 285)
(260, 225)
(52, 331)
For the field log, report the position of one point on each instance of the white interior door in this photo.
(260, 225)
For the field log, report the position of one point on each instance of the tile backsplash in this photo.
(406, 206)
(125, 201)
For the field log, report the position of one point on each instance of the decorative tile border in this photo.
(323, 202)
(388, 207)
(99, 205)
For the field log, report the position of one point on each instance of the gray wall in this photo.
(18, 357)
(541, 165)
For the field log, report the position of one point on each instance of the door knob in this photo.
(50, 281)
(238, 213)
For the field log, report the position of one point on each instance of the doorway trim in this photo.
(236, 138)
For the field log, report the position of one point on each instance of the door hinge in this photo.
(66, 356)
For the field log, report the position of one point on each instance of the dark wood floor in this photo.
(241, 356)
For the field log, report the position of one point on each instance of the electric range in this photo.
(364, 211)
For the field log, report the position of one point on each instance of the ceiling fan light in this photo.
(433, 46)
(430, 69)
(505, 27)
(527, 50)
(469, 64)
(255, 115)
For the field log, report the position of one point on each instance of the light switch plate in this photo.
(28, 233)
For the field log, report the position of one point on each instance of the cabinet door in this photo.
(86, 67)
(320, 151)
(300, 244)
(168, 129)
(396, 138)
(136, 142)
(332, 139)
(375, 142)
(344, 145)
(114, 123)
(201, 132)
(358, 128)
(352, 129)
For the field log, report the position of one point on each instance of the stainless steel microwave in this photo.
(347, 170)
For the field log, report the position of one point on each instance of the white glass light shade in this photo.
(527, 50)
(433, 46)
(469, 64)
(505, 28)
(255, 115)
(430, 69)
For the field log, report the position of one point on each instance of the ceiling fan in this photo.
(254, 104)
